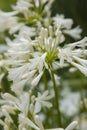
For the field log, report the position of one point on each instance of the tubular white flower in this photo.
(8, 21)
(80, 67)
(20, 103)
(10, 109)
(26, 32)
(43, 100)
(74, 56)
(36, 80)
(27, 121)
(22, 6)
(38, 122)
(6, 114)
(66, 25)
(65, 22)
(82, 43)
(83, 62)
(74, 33)
(23, 103)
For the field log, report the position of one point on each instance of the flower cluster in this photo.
(37, 47)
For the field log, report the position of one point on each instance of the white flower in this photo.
(30, 71)
(74, 56)
(22, 6)
(10, 109)
(26, 32)
(23, 103)
(20, 49)
(83, 62)
(83, 69)
(65, 22)
(64, 54)
(27, 122)
(37, 79)
(14, 26)
(8, 21)
(66, 25)
(82, 43)
(42, 100)
(18, 87)
(20, 103)
(74, 33)
(5, 19)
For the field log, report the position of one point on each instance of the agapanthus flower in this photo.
(34, 56)
(9, 21)
(66, 26)
(25, 104)
(37, 47)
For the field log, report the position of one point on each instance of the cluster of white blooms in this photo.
(8, 21)
(36, 47)
(27, 105)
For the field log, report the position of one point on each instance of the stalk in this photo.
(56, 92)
(45, 80)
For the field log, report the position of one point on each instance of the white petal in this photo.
(72, 125)
(81, 61)
(37, 79)
(74, 33)
(27, 121)
(38, 122)
(80, 67)
(37, 107)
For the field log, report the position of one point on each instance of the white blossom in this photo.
(66, 26)
(74, 56)
(74, 33)
(22, 6)
(65, 22)
(24, 120)
(83, 69)
(43, 100)
(20, 103)
(8, 21)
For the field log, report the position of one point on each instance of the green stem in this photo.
(45, 80)
(56, 91)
